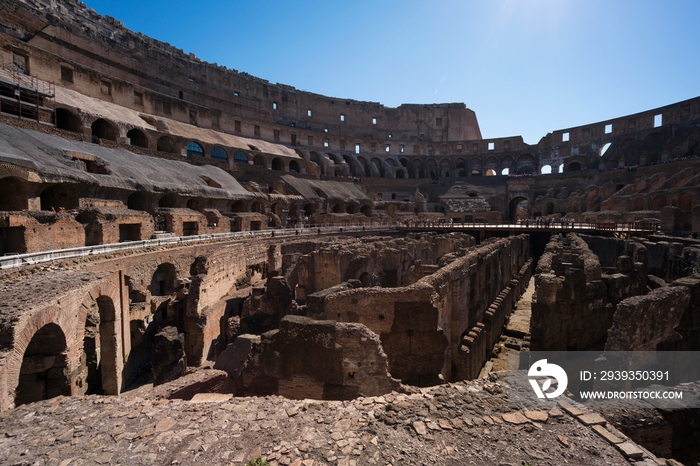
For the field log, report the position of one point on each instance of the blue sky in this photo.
(526, 67)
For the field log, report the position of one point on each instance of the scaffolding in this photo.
(23, 96)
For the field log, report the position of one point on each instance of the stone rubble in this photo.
(462, 423)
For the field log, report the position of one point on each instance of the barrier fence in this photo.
(12, 261)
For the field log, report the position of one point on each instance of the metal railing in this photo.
(621, 227)
(13, 261)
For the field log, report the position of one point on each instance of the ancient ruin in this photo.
(173, 232)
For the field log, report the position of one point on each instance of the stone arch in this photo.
(66, 119)
(137, 138)
(445, 167)
(365, 166)
(164, 280)
(338, 208)
(431, 169)
(408, 166)
(104, 129)
(400, 174)
(546, 169)
(685, 201)
(508, 162)
(195, 203)
(239, 206)
(491, 172)
(195, 149)
(491, 162)
(316, 158)
(651, 148)
(168, 201)
(218, 153)
(380, 167)
(525, 164)
(166, 144)
(628, 152)
(658, 202)
(461, 167)
(277, 164)
(638, 204)
(352, 208)
(573, 167)
(309, 208)
(260, 160)
(348, 161)
(13, 194)
(367, 210)
(549, 208)
(59, 196)
(257, 206)
(516, 207)
(420, 170)
(475, 165)
(46, 353)
(240, 157)
(293, 166)
(108, 346)
(136, 201)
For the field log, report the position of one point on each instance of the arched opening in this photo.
(108, 346)
(549, 208)
(659, 202)
(367, 210)
(561, 168)
(490, 172)
(137, 138)
(628, 152)
(277, 164)
(461, 168)
(309, 209)
(59, 196)
(518, 209)
(218, 153)
(257, 206)
(365, 166)
(168, 201)
(352, 208)
(136, 201)
(505, 171)
(338, 209)
(166, 144)
(239, 206)
(315, 157)
(546, 169)
(445, 168)
(604, 149)
(44, 372)
(476, 173)
(378, 164)
(194, 149)
(573, 167)
(293, 167)
(408, 166)
(259, 160)
(164, 280)
(65, 119)
(685, 201)
(196, 203)
(431, 169)
(365, 278)
(651, 148)
(400, 174)
(240, 157)
(526, 170)
(13, 194)
(420, 170)
(348, 161)
(103, 129)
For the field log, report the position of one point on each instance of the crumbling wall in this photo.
(421, 325)
(307, 358)
(570, 307)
